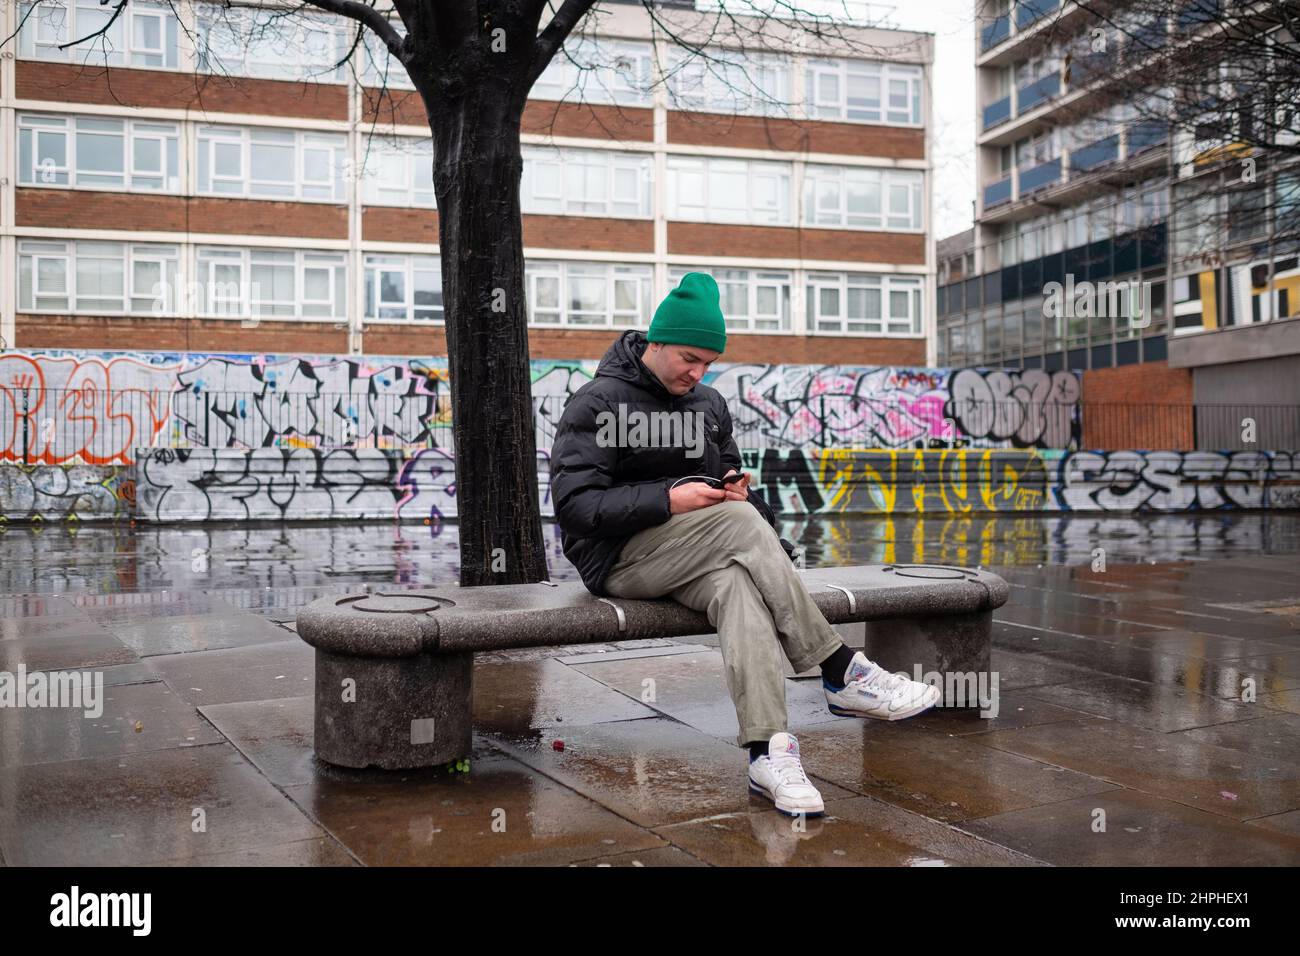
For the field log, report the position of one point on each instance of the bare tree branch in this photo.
(367, 15)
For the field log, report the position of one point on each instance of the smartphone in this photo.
(732, 478)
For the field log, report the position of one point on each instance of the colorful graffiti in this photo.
(95, 411)
(372, 483)
(98, 408)
(192, 437)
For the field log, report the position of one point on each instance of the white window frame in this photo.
(32, 125)
(599, 70)
(290, 42)
(72, 19)
(376, 264)
(887, 76)
(757, 172)
(207, 138)
(243, 305)
(754, 282)
(414, 153)
(564, 274)
(908, 324)
(729, 82)
(884, 181)
(568, 199)
(162, 301)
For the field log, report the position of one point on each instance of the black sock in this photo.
(833, 667)
(757, 749)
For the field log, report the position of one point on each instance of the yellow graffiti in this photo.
(951, 480)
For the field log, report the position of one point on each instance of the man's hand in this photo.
(737, 490)
(692, 496)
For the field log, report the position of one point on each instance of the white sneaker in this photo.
(778, 775)
(871, 691)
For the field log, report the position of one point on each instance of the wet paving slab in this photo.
(135, 718)
(501, 813)
(1163, 707)
(185, 634)
(1119, 690)
(858, 831)
(691, 688)
(1140, 830)
(1230, 783)
(143, 808)
(524, 696)
(944, 777)
(652, 772)
(256, 672)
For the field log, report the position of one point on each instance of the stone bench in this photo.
(393, 669)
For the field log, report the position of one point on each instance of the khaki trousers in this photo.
(726, 561)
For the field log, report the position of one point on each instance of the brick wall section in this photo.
(84, 209)
(179, 335)
(590, 121)
(1138, 406)
(786, 242)
(399, 224)
(584, 232)
(807, 136)
(544, 117)
(120, 86)
(593, 343)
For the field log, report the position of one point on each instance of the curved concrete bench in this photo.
(393, 669)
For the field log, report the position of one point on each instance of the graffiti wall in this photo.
(176, 437)
(97, 408)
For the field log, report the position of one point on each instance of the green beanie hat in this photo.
(690, 315)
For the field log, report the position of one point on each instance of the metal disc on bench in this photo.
(933, 572)
(404, 603)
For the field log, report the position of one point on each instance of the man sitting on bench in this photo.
(652, 503)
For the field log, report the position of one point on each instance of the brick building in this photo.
(218, 184)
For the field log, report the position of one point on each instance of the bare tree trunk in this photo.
(477, 168)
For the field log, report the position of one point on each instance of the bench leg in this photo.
(951, 651)
(393, 712)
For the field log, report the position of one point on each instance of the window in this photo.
(404, 288)
(588, 293)
(399, 172)
(377, 68)
(271, 283)
(143, 35)
(598, 71)
(864, 304)
(862, 198)
(729, 82)
(97, 277)
(586, 182)
(729, 190)
(272, 163)
(85, 152)
(243, 41)
(864, 91)
(751, 300)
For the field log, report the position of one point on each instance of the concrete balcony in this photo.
(1095, 155)
(1039, 91)
(998, 112)
(1040, 177)
(998, 192)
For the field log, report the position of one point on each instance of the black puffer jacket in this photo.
(604, 495)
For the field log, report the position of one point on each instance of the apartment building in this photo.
(1094, 167)
(207, 178)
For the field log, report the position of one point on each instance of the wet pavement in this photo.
(1148, 714)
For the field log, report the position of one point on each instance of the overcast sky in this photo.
(953, 136)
